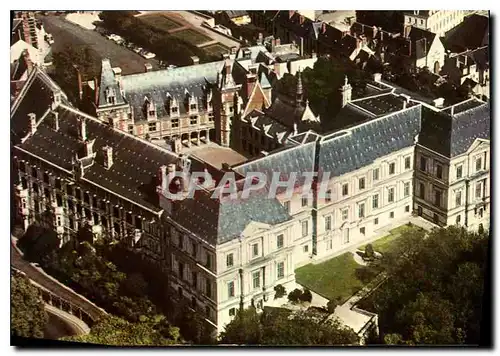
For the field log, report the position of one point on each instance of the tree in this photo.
(277, 326)
(294, 296)
(306, 296)
(369, 253)
(28, 317)
(435, 287)
(332, 304)
(119, 332)
(280, 291)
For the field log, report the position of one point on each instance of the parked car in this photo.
(138, 50)
(148, 55)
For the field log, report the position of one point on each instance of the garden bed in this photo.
(161, 22)
(194, 37)
(215, 49)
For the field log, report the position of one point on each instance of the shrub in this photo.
(280, 291)
(369, 253)
(306, 296)
(294, 296)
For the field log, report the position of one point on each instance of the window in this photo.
(255, 250)
(437, 197)
(345, 214)
(329, 244)
(152, 126)
(458, 198)
(131, 129)
(423, 164)
(361, 210)
(175, 123)
(181, 242)
(362, 230)
(194, 248)
(390, 197)
(375, 222)
(345, 234)
(439, 171)
(209, 260)
(328, 196)
(306, 248)
(375, 201)
(46, 178)
(391, 214)
(422, 190)
(305, 228)
(174, 109)
(193, 303)
(279, 241)
(232, 312)
(407, 162)
(286, 204)
(192, 107)
(193, 120)
(479, 164)
(375, 174)
(229, 260)
(230, 289)
(458, 219)
(194, 279)
(328, 223)
(479, 190)
(208, 288)
(361, 183)
(345, 189)
(304, 201)
(181, 270)
(407, 209)
(207, 311)
(407, 189)
(210, 117)
(256, 280)
(392, 168)
(280, 270)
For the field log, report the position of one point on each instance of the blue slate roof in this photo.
(108, 81)
(343, 153)
(157, 84)
(468, 126)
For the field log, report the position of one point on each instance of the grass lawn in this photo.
(192, 36)
(215, 49)
(340, 277)
(384, 244)
(161, 22)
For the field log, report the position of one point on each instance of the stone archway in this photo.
(211, 134)
(185, 139)
(194, 138)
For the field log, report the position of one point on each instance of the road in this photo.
(60, 324)
(196, 22)
(52, 285)
(67, 33)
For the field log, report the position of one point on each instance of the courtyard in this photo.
(341, 277)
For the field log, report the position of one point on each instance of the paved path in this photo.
(62, 324)
(66, 33)
(40, 277)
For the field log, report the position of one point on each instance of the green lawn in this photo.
(215, 49)
(384, 244)
(340, 277)
(192, 36)
(161, 22)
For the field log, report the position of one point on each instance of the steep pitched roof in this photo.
(235, 13)
(472, 33)
(109, 82)
(256, 100)
(19, 47)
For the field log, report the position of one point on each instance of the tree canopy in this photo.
(280, 327)
(115, 331)
(434, 292)
(28, 317)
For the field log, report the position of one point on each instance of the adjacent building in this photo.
(436, 21)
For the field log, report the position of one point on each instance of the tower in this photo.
(346, 91)
(299, 95)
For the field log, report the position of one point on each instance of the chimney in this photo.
(82, 129)
(108, 156)
(228, 68)
(323, 27)
(301, 19)
(273, 45)
(96, 91)
(80, 87)
(375, 30)
(406, 31)
(314, 55)
(162, 172)
(195, 60)
(28, 61)
(56, 99)
(295, 129)
(117, 71)
(381, 35)
(278, 42)
(170, 168)
(404, 104)
(234, 49)
(251, 79)
(439, 102)
(261, 38)
(88, 147)
(32, 118)
(56, 121)
(148, 67)
(452, 110)
(290, 13)
(377, 77)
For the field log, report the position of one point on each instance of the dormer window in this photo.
(192, 107)
(149, 109)
(174, 110)
(110, 96)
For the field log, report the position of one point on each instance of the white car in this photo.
(138, 50)
(148, 55)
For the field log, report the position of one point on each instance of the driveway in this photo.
(66, 33)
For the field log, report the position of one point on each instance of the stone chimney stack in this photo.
(32, 118)
(82, 129)
(195, 60)
(56, 121)
(56, 99)
(148, 67)
(108, 156)
(89, 144)
(79, 78)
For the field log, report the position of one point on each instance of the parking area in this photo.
(66, 33)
